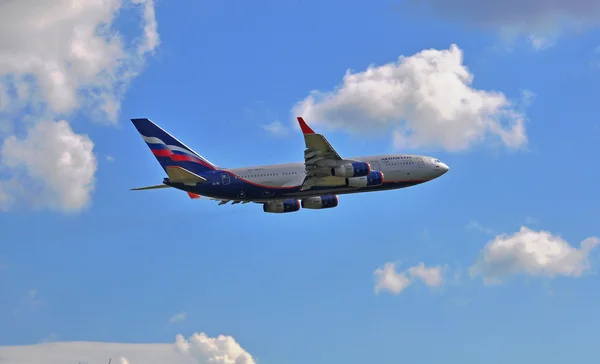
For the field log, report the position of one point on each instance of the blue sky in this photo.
(82, 258)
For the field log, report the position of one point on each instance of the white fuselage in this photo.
(399, 170)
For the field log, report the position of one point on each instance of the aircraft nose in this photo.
(444, 167)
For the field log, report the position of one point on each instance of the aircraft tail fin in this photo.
(169, 151)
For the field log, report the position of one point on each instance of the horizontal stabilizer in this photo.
(182, 175)
(150, 188)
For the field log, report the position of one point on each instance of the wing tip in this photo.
(305, 128)
(138, 120)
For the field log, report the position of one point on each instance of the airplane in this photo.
(282, 188)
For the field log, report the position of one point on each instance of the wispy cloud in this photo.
(541, 43)
(29, 303)
(179, 317)
(474, 225)
(543, 21)
(276, 128)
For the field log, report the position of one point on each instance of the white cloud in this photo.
(276, 128)
(67, 55)
(9, 189)
(536, 253)
(432, 277)
(218, 350)
(529, 14)
(198, 349)
(110, 158)
(58, 165)
(540, 43)
(427, 98)
(387, 279)
(151, 39)
(527, 97)
(179, 317)
(62, 58)
(541, 20)
(390, 280)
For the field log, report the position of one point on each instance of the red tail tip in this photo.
(305, 128)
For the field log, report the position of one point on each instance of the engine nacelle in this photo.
(320, 202)
(280, 207)
(374, 178)
(354, 169)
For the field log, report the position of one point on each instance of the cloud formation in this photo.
(540, 20)
(53, 154)
(392, 281)
(67, 55)
(179, 317)
(535, 253)
(218, 350)
(63, 58)
(275, 128)
(198, 349)
(474, 225)
(427, 98)
(528, 14)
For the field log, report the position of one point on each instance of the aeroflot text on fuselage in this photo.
(280, 188)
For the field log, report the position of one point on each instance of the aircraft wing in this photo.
(319, 158)
(317, 146)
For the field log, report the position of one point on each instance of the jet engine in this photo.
(279, 207)
(374, 178)
(320, 202)
(354, 169)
